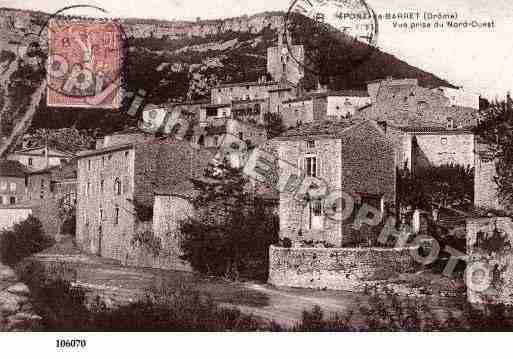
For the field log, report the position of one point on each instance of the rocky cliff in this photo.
(171, 61)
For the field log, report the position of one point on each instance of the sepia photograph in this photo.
(292, 166)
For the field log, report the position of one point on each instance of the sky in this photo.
(479, 60)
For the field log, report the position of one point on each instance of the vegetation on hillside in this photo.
(175, 70)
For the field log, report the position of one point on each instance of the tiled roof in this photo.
(349, 93)
(12, 169)
(323, 128)
(436, 129)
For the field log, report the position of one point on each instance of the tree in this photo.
(231, 235)
(496, 130)
(432, 187)
(25, 239)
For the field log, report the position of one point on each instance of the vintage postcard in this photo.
(288, 165)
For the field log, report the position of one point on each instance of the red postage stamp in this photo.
(84, 67)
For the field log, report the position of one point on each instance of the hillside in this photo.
(172, 61)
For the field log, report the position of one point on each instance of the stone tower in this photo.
(284, 63)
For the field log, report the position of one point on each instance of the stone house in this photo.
(13, 185)
(403, 103)
(322, 106)
(356, 159)
(41, 157)
(116, 186)
(431, 146)
(51, 191)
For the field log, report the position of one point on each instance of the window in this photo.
(89, 165)
(216, 140)
(30, 162)
(42, 183)
(116, 215)
(12, 200)
(450, 123)
(100, 214)
(88, 189)
(52, 186)
(103, 161)
(1, 200)
(126, 153)
(443, 141)
(102, 183)
(3, 186)
(310, 144)
(311, 166)
(12, 187)
(211, 112)
(241, 136)
(117, 186)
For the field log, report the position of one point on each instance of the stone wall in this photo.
(490, 257)
(337, 268)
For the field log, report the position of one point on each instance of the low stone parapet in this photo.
(338, 268)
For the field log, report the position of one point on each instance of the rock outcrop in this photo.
(16, 312)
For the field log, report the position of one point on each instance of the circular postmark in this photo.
(84, 61)
(337, 35)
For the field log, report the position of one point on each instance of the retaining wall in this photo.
(337, 268)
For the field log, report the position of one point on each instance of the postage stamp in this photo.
(85, 63)
(338, 35)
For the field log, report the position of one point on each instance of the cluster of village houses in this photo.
(353, 139)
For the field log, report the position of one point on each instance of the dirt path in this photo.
(119, 285)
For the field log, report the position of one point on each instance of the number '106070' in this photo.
(73, 343)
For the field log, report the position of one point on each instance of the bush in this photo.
(65, 308)
(25, 239)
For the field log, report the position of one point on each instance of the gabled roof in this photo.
(56, 151)
(12, 169)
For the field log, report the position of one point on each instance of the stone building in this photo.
(418, 147)
(13, 208)
(13, 186)
(357, 159)
(284, 62)
(322, 106)
(401, 102)
(257, 90)
(460, 97)
(38, 158)
(116, 187)
(51, 192)
(426, 128)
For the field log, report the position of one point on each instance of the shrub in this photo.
(233, 231)
(25, 239)
(64, 308)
